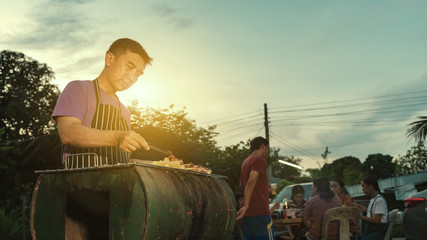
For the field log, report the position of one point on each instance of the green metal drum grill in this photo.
(131, 201)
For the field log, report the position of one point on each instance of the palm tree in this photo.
(418, 129)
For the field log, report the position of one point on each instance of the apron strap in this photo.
(97, 93)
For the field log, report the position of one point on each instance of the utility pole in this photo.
(325, 155)
(267, 136)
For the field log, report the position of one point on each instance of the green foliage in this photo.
(175, 121)
(10, 225)
(27, 98)
(314, 173)
(349, 169)
(302, 179)
(418, 129)
(283, 183)
(8, 175)
(415, 160)
(382, 166)
(352, 176)
(336, 168)
(229, 161)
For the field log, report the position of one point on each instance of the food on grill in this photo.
(174, 162)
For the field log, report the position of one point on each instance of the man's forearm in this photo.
(249, 189)
(82, 136)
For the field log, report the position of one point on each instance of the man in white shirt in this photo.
(377, 211)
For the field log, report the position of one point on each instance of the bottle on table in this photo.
(286, 213)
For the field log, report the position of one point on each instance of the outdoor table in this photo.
(287, 222)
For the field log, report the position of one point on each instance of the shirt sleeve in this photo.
(72, 102)
(259, 165)
(380, 207)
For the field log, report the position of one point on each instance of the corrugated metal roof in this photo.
(402, 186)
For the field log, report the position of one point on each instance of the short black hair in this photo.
(371, 180)
(122, 45)
(257, 142)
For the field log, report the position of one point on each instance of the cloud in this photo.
(86, 65)
(172, 16)
(384, 126)
(55, 23)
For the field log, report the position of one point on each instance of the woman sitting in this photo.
(315, 208)
(376, 213)
(338, 187)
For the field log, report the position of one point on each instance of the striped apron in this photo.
(106, 117)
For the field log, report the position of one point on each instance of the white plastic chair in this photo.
(343, 214)
(394, 217)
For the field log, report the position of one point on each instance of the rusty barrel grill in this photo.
(131, 201)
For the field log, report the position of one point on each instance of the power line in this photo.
(350, 113)
(239, 133)
(350, 100)
(359, 143)
(234, 116)
(354, 104)
(294, 147)
(232, 128)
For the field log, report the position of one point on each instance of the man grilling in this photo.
(93, 125)
(254, 211)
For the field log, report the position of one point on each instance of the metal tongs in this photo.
(167, 153)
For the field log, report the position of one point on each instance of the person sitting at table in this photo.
(338, 187)
(297, 204)
(322, 200)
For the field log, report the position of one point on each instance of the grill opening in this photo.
(87, 215)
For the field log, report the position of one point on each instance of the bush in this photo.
(10, 225)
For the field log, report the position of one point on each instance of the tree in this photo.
(352, 176)
(415, 160)
(229, 163)
(314, 173)
(27, 97)
(418, 129)
(173, 130)
(284, 171)
(382, 166)
(337, 168)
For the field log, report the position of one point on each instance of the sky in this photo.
(349, 75)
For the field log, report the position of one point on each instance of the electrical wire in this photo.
(293, 146)
(352, 100)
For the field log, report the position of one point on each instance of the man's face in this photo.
(367, 189)
(124, 70)
(264, 150)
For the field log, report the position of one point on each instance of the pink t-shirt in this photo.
(79, 100)
(314, 210)
(259, 200)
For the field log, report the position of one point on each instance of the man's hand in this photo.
(131, 141)
(275, 206)
(73, 132)
(241, 213)
(362, 208)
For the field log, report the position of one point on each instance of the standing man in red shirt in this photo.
(254, 211)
